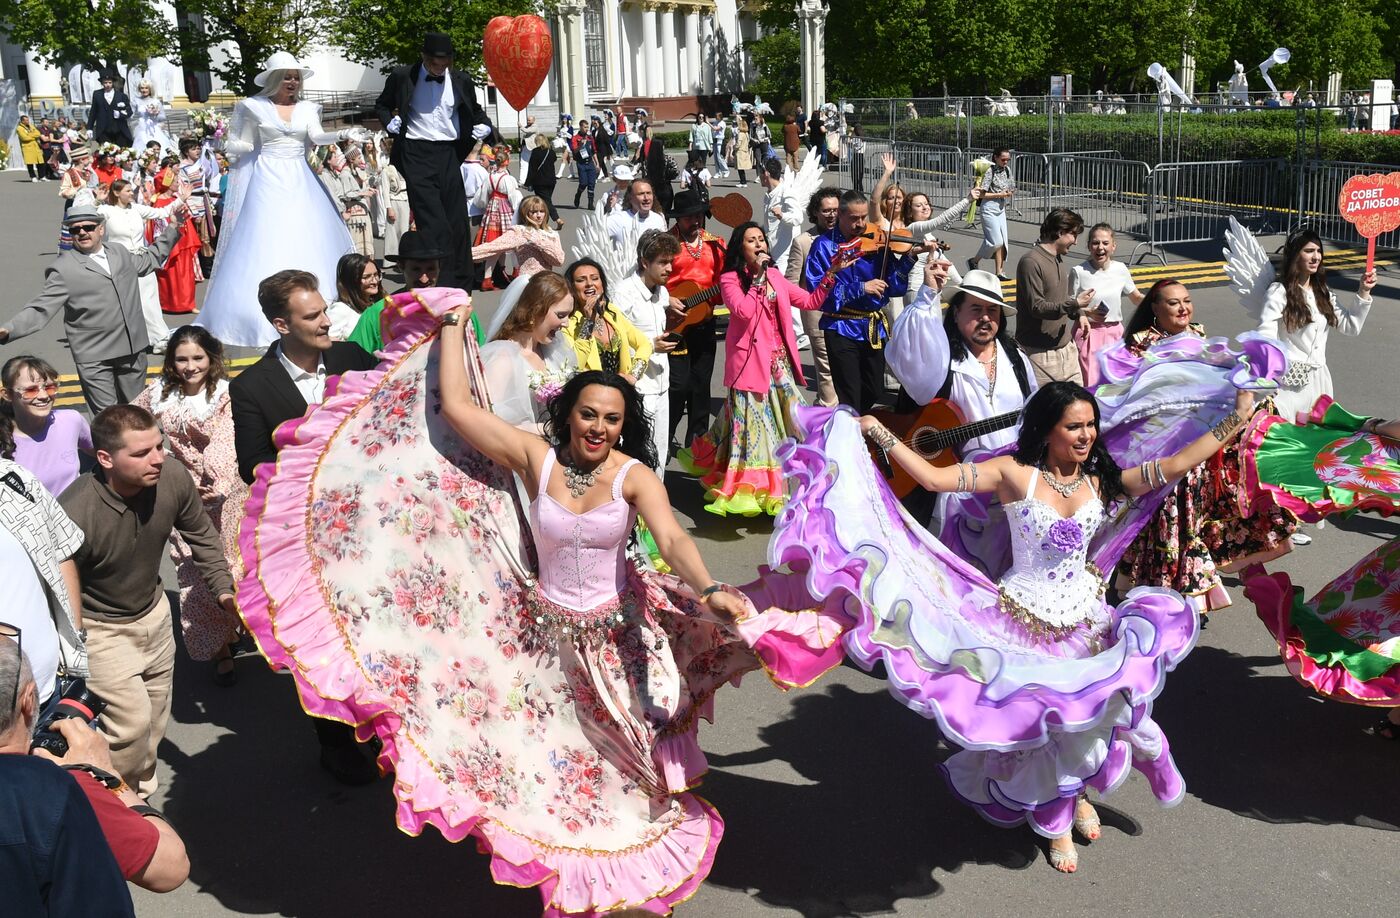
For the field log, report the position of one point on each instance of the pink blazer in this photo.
(757, 329)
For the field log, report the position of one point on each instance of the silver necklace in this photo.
(1063, 488)
(579, 482)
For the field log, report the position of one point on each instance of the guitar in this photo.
(699, 305)
(933, 433)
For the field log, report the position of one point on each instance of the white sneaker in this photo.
(1301, 538)
(33, 179)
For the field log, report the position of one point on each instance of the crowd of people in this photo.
(472, 523)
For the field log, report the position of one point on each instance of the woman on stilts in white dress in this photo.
(277, 215)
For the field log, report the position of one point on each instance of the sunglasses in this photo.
(14, 633)
(32, 392)
(82, 228)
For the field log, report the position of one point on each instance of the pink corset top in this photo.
(583, 557)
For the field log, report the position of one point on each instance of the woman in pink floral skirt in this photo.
(191, 401)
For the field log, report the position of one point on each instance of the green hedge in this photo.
(1247, 135)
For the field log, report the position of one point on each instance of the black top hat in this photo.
(687, 204)
(436, 44)
(414, 245)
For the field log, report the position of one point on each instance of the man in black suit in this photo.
(109, 116)
(290, 376)
(430, 110)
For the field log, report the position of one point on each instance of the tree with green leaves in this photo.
(375, 31)
(256, 28)
(99, 34)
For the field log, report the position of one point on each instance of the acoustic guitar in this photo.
(699, 303)
(934, 433)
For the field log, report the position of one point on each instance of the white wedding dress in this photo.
(148, 123)
(277, 215)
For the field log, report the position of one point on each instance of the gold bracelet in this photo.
(1226, 427)
(452, 318)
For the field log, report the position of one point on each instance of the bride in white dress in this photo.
(277, 214)
(148, 121)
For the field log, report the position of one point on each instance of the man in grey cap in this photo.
(95, 285)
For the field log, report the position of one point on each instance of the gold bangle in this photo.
(452, 318)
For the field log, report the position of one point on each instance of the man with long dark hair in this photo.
(855, 324)
(1048, 312)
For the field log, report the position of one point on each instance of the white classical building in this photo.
(662, 55)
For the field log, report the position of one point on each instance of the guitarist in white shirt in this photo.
(644, 301)
(969, 358)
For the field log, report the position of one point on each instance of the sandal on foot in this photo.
(1091, 827)
(225, 677)
(1064, 861)
(1387, 730)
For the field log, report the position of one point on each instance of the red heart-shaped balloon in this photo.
(518, 51)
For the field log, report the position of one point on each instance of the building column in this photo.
(811, 17)
(670, 56)
(692, 79)
(707, 52)
(651, 55)
(573, 80)
(45, 82)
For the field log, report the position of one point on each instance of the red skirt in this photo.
(176, 279)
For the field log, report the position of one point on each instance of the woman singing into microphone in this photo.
(735, 459)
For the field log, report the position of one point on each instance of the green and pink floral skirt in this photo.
(736, 459)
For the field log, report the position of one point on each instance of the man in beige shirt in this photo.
(127, 509)
(1046, 313)
(823, 209)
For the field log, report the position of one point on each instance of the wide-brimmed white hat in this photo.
(982, 284)
(282, 60)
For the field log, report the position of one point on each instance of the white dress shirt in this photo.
(646, 309)
(100, 256)
(432, 109)
(312, 386)
(622, 223)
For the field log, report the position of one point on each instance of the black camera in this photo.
(77, 701)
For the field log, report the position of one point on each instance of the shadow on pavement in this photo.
(870, 825)
(1264, 747)
(268, 832)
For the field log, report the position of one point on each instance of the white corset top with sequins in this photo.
(1049, 576)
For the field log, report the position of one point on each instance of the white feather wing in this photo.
(593, 241)
(1248, 267)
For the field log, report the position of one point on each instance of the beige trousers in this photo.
(1059, 364)
(826, 392)
(132, 666)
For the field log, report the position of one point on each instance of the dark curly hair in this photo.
(635, 440)
(1043, 411)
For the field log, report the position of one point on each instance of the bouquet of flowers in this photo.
(546, 385)
(210, 122)
(980, 166)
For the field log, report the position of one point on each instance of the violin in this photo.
(876, 238)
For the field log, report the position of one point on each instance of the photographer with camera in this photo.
(54, 859)
(147, 851)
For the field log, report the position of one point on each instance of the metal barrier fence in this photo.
(1168, 203)
(1321, 183)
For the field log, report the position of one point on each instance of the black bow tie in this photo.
(433, 79)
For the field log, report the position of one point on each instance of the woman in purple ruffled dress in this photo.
(1047, 688)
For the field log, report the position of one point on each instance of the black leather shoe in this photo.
(349, 765)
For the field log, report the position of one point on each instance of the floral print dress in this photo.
(200, 431)
(1201, 530)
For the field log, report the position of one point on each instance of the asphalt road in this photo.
(832, 803)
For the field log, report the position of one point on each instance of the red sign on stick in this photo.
(518, 51)
(1371, 203)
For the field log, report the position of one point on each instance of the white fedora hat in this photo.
(985, 286)
(282, 60)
